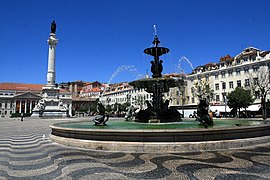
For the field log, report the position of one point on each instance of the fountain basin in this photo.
(161, 140)
(147, 83)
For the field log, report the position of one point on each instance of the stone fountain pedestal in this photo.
(158, 110)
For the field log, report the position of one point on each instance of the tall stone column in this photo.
(51, 105)
(52, 42)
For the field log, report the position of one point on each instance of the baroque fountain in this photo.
(158, 110)
(170, 135)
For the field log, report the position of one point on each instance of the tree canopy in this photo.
(259, 83)
(239, 98)
(203, 90)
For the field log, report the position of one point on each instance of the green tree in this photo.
(239, 98)
(259, 83)
(83, 107)
(116, 107)
(202, 89)
(125, 106)
(109, 109)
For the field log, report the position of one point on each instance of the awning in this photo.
(254, 107)
(220, 108)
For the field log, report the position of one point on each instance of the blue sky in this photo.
(98, 36)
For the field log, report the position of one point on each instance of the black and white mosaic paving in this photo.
(27, 153)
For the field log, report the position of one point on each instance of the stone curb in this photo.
(161, 147)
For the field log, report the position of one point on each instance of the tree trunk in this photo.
(264, 115)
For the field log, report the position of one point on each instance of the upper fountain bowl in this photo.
(156, 51)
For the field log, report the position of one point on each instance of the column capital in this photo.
(52, 41)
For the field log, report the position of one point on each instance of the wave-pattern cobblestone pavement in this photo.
(27, 153)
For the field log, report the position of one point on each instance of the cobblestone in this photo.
(25, 153)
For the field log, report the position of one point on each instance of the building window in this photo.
(246, 70)
(217, 98)
(192, 90)
(230, 72)
(255, 81)
(223, 74)
(239, 83)
(217, 86)
(255, 68)
(238, 72)
(223, 85)
(245, 59)
(216, 76)
(247, 84)
(257, 94)
(207, 77)
(231, 84)
(192, 100)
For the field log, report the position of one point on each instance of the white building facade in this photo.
(17, 98)
(225, 76)
(222, 78)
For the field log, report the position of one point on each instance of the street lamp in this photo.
(182, 90)
(181, 87)
(128, 96)
(224, 97)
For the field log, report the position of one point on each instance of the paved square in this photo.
(27, 153)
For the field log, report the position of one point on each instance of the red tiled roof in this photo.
(63, 90)
(226, 58)
(21, 86)
(96, 89)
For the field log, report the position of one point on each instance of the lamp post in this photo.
(224, 97)
(128, 96)
(181, 87)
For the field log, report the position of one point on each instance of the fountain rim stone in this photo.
(159, 130)
(158, 141)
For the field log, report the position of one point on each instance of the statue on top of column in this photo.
(53, 27)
